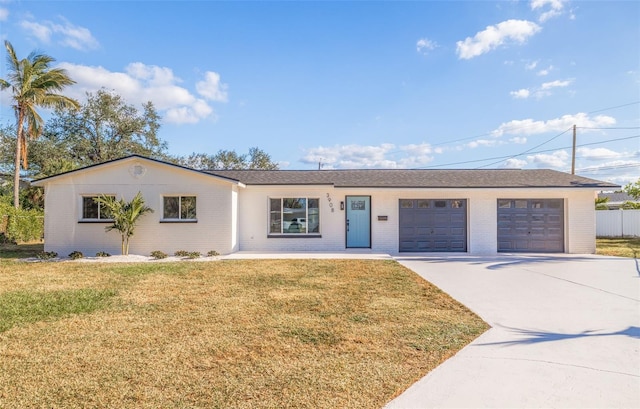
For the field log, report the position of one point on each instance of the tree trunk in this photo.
(16, 175)
(122, 247)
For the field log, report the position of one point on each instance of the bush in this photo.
(20, 225)
(212, 253)
(47, 255)
(194, 254)
(102, 254)
(157, 254)
(181, 253)
(74, 255)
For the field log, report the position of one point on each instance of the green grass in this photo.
(241, 334)
(619, 247)
(17, 251)
(22, 307)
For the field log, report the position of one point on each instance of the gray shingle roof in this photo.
(396, 178)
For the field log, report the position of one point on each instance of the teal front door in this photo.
(358, 221)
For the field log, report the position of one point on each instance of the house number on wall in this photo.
(330, 204)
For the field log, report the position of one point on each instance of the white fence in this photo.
(617, 223)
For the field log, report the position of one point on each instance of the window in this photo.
(92, 210)
(179, 208)
(299, 215)
(406, 203)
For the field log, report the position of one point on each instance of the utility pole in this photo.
(573, 153)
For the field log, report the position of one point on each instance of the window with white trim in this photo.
(94, 211)
(179, 208)
(294, 215)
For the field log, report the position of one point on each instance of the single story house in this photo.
(616, 200)
(390, 211)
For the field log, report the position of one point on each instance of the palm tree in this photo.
(33, 84)
(125, 215)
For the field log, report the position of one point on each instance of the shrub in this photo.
(157, 254)
(74, 255)
(20, 225)
(193, 254)
(47, 255)
(212, 253)
(103, 254)
(181, 253)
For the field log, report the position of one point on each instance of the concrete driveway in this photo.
(565, 333)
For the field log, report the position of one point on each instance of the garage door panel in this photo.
(433, 225)
(535, 225)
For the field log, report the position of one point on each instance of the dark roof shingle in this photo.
(416, 178)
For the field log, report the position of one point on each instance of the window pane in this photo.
(89, 208)
(440, 203)
(423, 204)
(313, 220)
(521, 204)
(554, 204)
(104, 212)
(171, 207)
(275, 216)
(504, 204)
(188, 207)
(294, 215)
(406, 204)
(457, 204)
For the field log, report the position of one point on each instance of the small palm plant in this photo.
(125, 215)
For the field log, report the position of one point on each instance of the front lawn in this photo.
(254, 333)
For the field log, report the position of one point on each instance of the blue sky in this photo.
(362, 84)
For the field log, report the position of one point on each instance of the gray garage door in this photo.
(433, 225)
(531, 225)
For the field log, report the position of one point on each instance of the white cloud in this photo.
(520, 94)
(557, 159)
(531, 127)
(545, 71)
(67, 34)
(211, 88)
(41, 32)
(514, 163)
(517, 31)
(140, 83)
(520, 140)
(4, 14)
(482, 142)
(531, 66)
(555, 8)
(361, 156)
(598, 153)
(424, 45)
(556, 84)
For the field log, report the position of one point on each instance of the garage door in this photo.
(428, 225)
(531, 225)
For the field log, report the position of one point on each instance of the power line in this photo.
(615, 107)
(528, 150)
(610, 167)
(542, 151)
(595, 127)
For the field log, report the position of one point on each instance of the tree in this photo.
(229, 160)
(125, 216)
(633, 190)
(601, 203)
(33, 84)
(103, 129)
